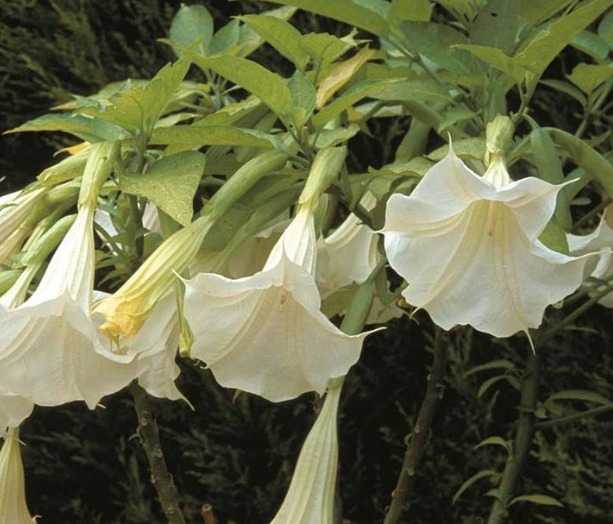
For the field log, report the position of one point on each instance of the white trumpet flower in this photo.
(47, 343)
(310, 497)
(13, 507)
(13, 410)
(265, 334)
(468, 247)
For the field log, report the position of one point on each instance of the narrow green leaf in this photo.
(303, 98)
(496, 58)
(197, 136)
(605, 29)
(543, 500)
(267, 86)
(348, 98)
(170, 183)
(495, 441)
(467, 147)
(192, 23)
(249, 40)
(494, 364)
(538, 52)
(369, 15)
(324, 48)
(225, 38)
(497, 25)
(281, 35)
(567, 89)
(592, 45)
(537, 12)
(486, 473)
(85, 128)
(489, 383)
(580, 394)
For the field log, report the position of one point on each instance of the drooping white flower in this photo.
(265, 334)
(13, 507)
(600, 240)
(47, 343)
(13, 410)
(151, 353)
(468, 247)
(14, 208)
(310, 497)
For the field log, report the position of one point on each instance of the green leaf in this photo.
(85, 128)
(434, 42)
(605, 29)
(412, 10)
(537, 12)
(303, 98)
(225, 38)
(496, 58)
(196, 136)
(324, 48)
(489, 383)
(138, 109)
(495, 441)
(486, 473)
(568, 89)
(497, 25)
(249, 40)
(592, 45)
(580, 394)
(453, 115)
(538, 52)
(348, 98)
(369, 15)
(170, 183)
(267, 86)
(464, 8)
(338, 135)
(494, 364)
(588, 77)
(423, 89)
(554, 237)
(468, 147)
(543, 500)
(192, 23)
(281, 35)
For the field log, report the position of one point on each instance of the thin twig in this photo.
(522, 443)
(547, 424)
(418, 439)
(150, 439)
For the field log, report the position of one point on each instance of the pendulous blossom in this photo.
(468, 247)
(310, 497)
(13, 507)
(265, 334)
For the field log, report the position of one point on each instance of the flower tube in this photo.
(13, 507)
(468, 247)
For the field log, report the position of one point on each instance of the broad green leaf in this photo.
(605, 29)
(568, 89)
(435, 42)
(543, 500)
(416, 167)
(339, 75)
(580, 394)
(192, 23)
(554, 237)
(454, 115)
(170, 183)
(497, 25)
(588, 77)
(194, 136)
(495, 441)
(369, 15)
(249, 40)
(225, 38)
(267, 86)
(496, 58)
(467, 147)
(536, 12)
(347, 99)
(138, 109)
(538, 52)
(303, 98)
(281, 35)
(592, 45)
(336, 136)
(233, 113)
(424, 89)
(412, 10)
(86, 128)
(486, 473)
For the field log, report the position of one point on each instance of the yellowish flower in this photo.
(13, 507)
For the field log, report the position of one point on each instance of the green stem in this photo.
(150, 439)
(547, 424)
(417, 440)
(521, 445)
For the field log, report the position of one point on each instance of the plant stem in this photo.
(150, 439)
(547, 424)
(418, 438)
(522, 443)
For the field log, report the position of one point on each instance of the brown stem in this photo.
(207, 514)
(150, 439)
(521, 445)
(418, 438)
